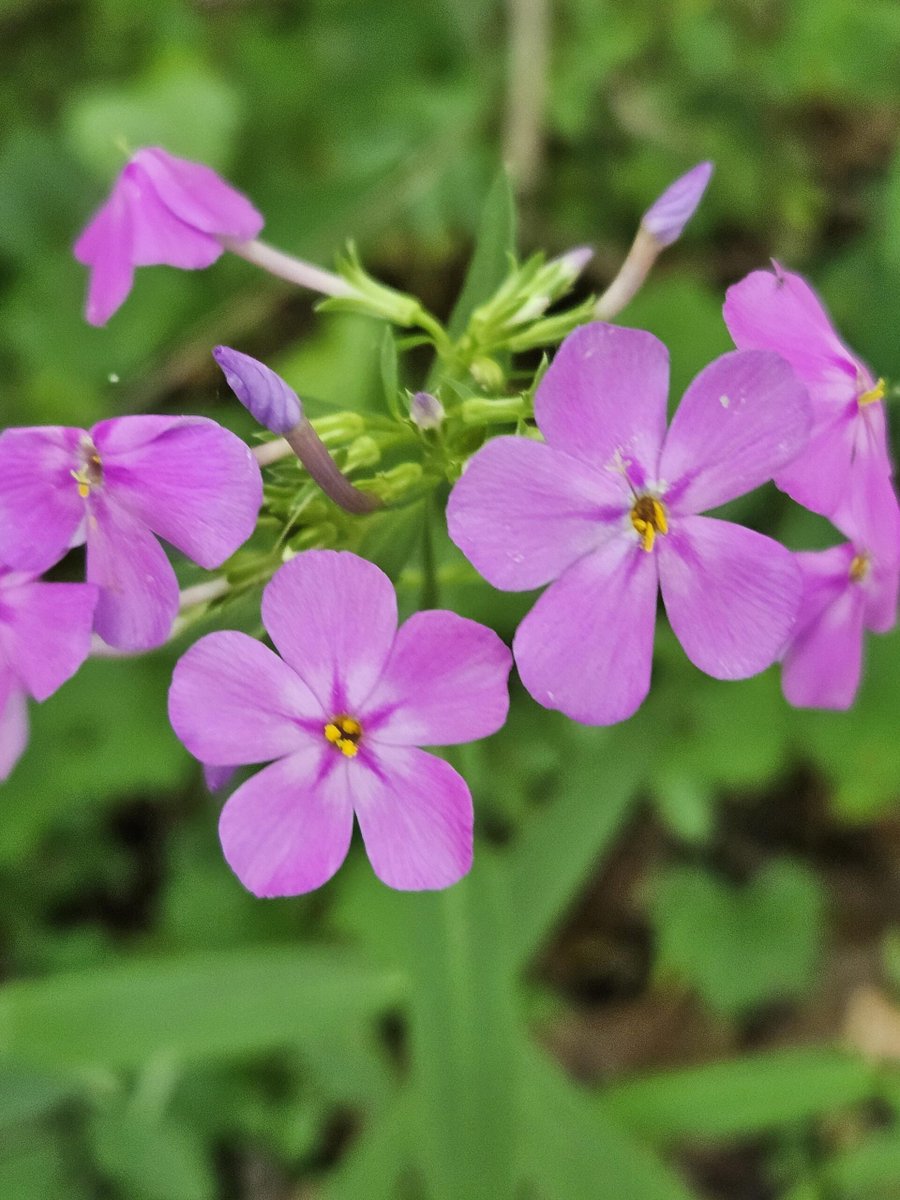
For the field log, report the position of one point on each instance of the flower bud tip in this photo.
(264, 394)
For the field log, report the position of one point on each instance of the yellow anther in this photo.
(344, 734)
(859, 567)
(873, 394)
(648, 516)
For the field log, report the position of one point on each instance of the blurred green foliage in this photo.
(166, 1036)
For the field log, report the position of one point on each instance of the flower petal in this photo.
(106, 246)
(138, 590)
(731, 595)
(13, 727)
(333, 617)
(198, 196)
(587, 645)
(45, 631)
(823, 662)
(158, 236)
(603, 399)
(444, 683)
(415, 813)
(288, 828)
(819, 476)
(743, 417)
(234, 701)
(40, 508)
(189, 480)
(778, 310)
(867, 504)
(523, 512)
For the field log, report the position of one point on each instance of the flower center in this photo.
(872, 395)
(89, 473)
(648, 516)
(859, 567)
(344, 734)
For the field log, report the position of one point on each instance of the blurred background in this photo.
(675, 970)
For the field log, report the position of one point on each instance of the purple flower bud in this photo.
(574, 261)
(264, 394)
(426, 410)
(666, 219)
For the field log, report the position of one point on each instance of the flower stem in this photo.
(632, 273)
(294, 270)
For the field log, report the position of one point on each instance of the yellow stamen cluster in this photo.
(859, 567)
(872, 395)
(648, 516)
(344, 734)
(89, 475)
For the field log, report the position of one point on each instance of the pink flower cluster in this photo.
(607, 509)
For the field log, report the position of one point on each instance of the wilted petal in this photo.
(198, 196)
(603, 400)
(138, 590)
(415, 814)
(587, 645)
(40, 508)
(333, 617)
(667, 216)
(262, 392)
(741, 419)
(13, 726)
(106, 246)
(444, 683)
(233, 700)
(45, 629)
(287, 829)
(522, 512)
(189, 480)
(731, 595)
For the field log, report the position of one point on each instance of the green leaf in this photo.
(760, 941)
(490, 262)
(390, 373)
(151, 1160)
(870, 1171)
(576, 1151)
(201, 1007)
(26, 1093)
(744, 1097)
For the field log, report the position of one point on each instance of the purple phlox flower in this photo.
(607, 508)
(113, 487)
(162, 209)
(845, 470)
(666, 218)
(846, 590)
(45, 636)
(342, 714)
(264, 394)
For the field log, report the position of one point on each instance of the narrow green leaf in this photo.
(390, 373)
(575, 1151)
(151, 1160)
(490, 262)
(743, 1097)
(372, 1166)
(207, 1006)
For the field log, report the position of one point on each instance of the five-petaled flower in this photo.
(342, 713)
(113, 487)
(45, 636)
(607, 506)
(845, 470)
(162, 210)
(846, 590)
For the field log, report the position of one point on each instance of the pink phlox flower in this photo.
(45, 636)
(342, 713)
(113, 487)
(846, 590)
(162, 209)
(845, 470)
(606, 507)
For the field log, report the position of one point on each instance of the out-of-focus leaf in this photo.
(870, 1171)
(490, 262)
(150, 1159)
(26, 1093)
(759, 942)
(191, 1008)
(744, 1097)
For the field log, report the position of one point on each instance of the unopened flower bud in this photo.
(667, 217)
(264, 394)
(426, 411)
